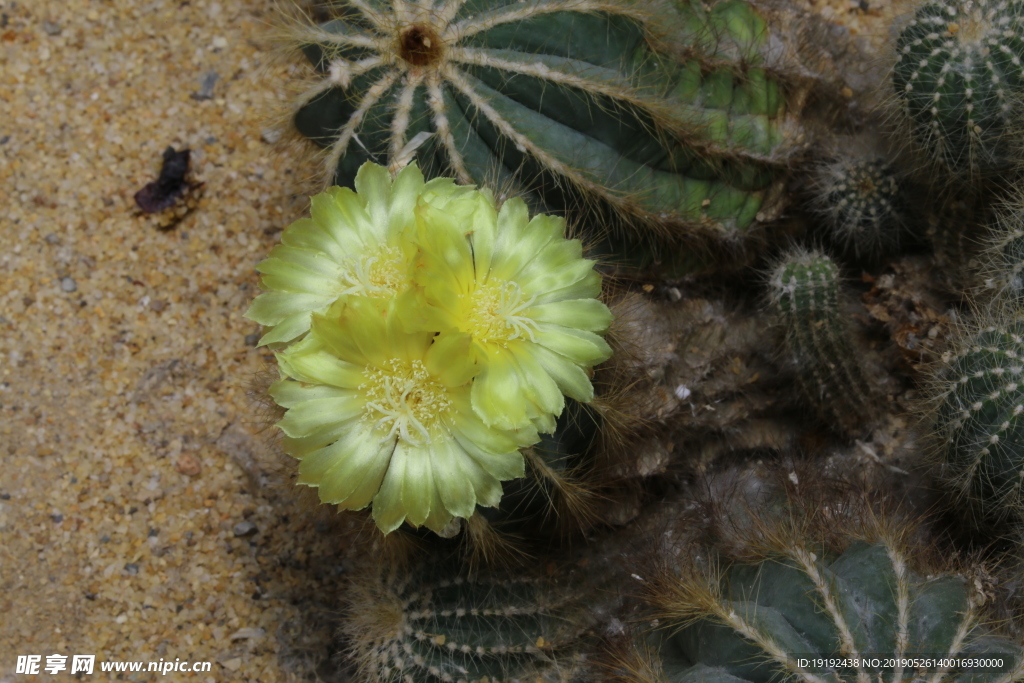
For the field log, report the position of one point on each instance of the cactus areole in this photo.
(574, 99)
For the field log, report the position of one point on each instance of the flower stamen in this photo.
(382, 274)
(405, 399)
(496, 314)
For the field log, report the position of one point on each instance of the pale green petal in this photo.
(308, 235)
(558, 276)
(569, 377)
(486, 487)
(373, 186)
(582, 314)
(404, 195)
(540, 388)
(287, 393)
(302, 446)
(518, 246)
(418, 490)
(340, 214)
(441, 236)
(289, 274)
(306, 259)
(587, 287)
(545, 424)
(353, 331)
(360, 462)
(321, 367)
(270, 308)
(584, 348)
(449, 359)
(467, 424)
(287, 330)
(485, 233)
(501, 466)
(388, 509)
(498, 395)
(310, 415)
(454, 486)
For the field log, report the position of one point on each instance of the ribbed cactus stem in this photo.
(805, 291)
(980, 420)
(958, 69)
(580, 100)
(421, 628)
(774, 618)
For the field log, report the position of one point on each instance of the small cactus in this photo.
(862, 204)
(420, 626)
(582, 100)
(957, 72)
(979, 423)
(805, 295)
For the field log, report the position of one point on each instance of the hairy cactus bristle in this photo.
(1002, 261)
(866, 605)
(957, 72)
(978, 421)
(805, 292)
(557, 487)
(862, 204)
(423, 626)
(580, 100)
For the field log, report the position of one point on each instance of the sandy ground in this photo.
(143, 515)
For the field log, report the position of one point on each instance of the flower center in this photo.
(405, 399)
(375, 275)
(419, 45)
(496, 314)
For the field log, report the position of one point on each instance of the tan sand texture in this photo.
(139, 517)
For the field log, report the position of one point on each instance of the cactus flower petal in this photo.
(380, 416)
(353, 245)
(505, 298)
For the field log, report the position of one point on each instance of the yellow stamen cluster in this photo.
(405, 399)
(381, 274)
(495, 314)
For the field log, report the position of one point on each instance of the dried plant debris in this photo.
(172, 196)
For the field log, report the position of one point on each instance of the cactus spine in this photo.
(979, 420)
(417, 626)
(805, 295)
(755, 622)
(958, 69)
(579, 98)
(861, 201)
(1003, 258)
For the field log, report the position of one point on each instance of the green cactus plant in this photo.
(805, 294)
(582, 100)
(770, 620)
(958, 70)
(978, 424)
(862, 204)
(427, 626)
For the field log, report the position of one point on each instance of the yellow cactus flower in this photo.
(424, 337)
(352, 245)
(382, 417)
(524, 296)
